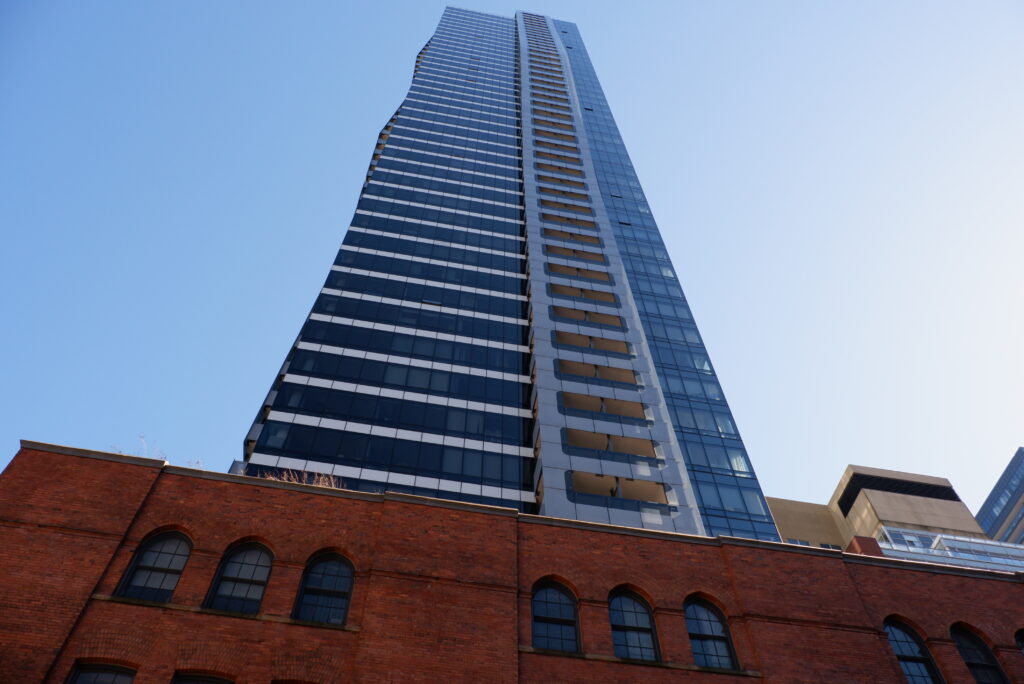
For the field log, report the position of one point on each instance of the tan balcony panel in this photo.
(565, 159)
(564, 193)
(587, 316)
(596, 295)
(592, 483)
(546, 89)
(553, 168)
(590, 342)
(574, 253)
(634, 446)
(554, 115)
(552, 105)
(590, 370)
(540, 132)
(557, 146)
(642, 490)
(543, 98)
(553, 124)
(561, 181)
(577, 237)
(619, 487)
(581, 223)
(615, 407)
(574, 272)
(565, 206)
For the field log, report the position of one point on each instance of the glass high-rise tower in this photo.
(502, 323)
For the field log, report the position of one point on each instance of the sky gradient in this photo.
(840, 185)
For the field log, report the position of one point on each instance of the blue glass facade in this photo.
(1002, 514)
(502, 323)
(729, 496)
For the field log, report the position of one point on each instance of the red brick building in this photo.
(441, 591)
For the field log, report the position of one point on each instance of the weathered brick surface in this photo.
(442, 592)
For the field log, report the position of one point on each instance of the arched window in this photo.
(554, 619)
(979, 658)
(101, 674)
(154, 571)
(1020, 640)
(324, 593)
(241, 579)
(709, 635)
(632, 627)
(915, 660)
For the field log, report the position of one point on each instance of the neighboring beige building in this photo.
(868, 500)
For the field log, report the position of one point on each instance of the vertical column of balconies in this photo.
(604, 441)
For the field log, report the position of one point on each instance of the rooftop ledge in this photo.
(525, 517)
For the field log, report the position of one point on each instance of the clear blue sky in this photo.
(841, 186)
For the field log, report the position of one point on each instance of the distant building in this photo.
(1002, 514)
(916, 517)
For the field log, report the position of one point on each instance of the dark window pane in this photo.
(978, 657)
(101, 674)
(324, 596)
(632, 628)
(554, 620)
(709, 636)
(156, 567)
(241, 580)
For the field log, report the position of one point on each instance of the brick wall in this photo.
(442, 590)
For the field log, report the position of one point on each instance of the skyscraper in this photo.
(1002, 514)
(502, 323)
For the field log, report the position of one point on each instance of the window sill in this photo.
(262, 617)
(644, 663)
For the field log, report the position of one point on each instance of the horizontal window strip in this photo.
(466, 74)
(437, 176)
(475, 108)
(445, 57)
(426, 86)
(455, 85)
(448, 226)
(423, 98)
(394, 433)
(429, 241)
(402, 244)
(469, 34)
(405, 395)
(433, 295)
(404, 330)
(390, 408)
(419, 134)
(382, 476)
(454, 161)
(460, 117)
(423, 378)
(419, 363)
(514, 145)
(505, 242)
(382, 163)
(425, 345)
(420, 305)
(471, 43)
(398, 136)
(445, 271)
(440, 193)
(489, 217)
